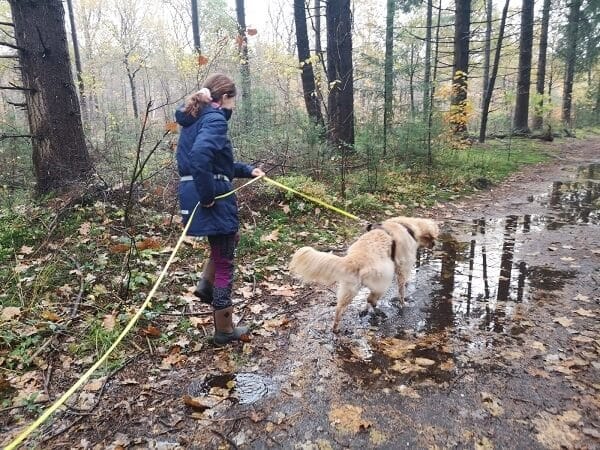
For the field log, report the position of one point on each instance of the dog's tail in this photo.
(324, 268)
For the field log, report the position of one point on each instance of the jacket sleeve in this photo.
(242, 170)
(211, 137)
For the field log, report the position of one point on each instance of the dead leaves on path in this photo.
(556, 431)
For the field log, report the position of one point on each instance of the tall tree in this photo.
(538, 118)
(311, 100)
(571, 57)
(492, 81)
(339, 73)
(196, 27)
(487, 47)
(520, 122)
(462, 25)
(388, 82)
(77, 56)
(427, 74)
(60, 156)
(243, 54)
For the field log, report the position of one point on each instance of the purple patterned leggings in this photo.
(222, 251)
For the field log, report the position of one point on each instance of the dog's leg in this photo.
(401, 287)
(346, 293)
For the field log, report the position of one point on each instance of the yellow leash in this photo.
(312, 199)
(58, 403)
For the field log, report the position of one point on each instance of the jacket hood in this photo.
(184, 119)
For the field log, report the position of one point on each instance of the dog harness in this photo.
(378, 226)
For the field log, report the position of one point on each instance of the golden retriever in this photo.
(371, 261)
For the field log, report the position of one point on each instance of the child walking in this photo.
(207, 167)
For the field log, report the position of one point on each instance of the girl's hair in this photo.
(218, 84)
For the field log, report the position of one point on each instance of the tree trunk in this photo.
(60, 155)
(388, 80)
(487, 48)
(196, 27)
(244, 63)
(538, 119)
(318, 47)
(572, 28)
(490, 90)
(131, 77)
(427, 75)
(311, 98)
(78, 66)
(458, 108)
(520, 123)
(339, 74)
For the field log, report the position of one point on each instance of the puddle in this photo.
(246, 388)
(479, 278)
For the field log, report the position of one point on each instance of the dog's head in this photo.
(424, 231)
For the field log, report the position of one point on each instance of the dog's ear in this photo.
(371, 226)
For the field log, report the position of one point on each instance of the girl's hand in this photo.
(257, 172)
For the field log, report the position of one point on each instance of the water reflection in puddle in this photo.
(478, 278)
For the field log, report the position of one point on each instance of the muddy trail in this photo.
(497, 346)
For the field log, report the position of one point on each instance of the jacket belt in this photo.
(216, 176)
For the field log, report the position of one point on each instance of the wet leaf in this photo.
(424, 362)
(197, 322)
(564, 321)
(554, 432)
(396, 348)
(406, 391)
(196, 403)
(584, 312)
(483, 443)
(348, 419)
(10, 312)
(492, 404)
(538, 346)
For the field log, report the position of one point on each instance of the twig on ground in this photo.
(225, 438)
(81, 283)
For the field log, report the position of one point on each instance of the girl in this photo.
(207, 168)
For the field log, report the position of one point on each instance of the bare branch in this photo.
(9, 136)
(8, 24)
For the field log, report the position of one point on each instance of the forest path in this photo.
(497, 346)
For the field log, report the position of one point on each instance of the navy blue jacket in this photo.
(203, 151)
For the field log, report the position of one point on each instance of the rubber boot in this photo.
(204, 288)
(225, 332)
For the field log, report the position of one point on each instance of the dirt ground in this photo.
(497, 345)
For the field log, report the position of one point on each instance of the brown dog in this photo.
(390, 247)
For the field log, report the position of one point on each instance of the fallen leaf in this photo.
(584, 312)
(538, 346)
(10, 312)
(492, 404)
(483, 443)
(195, 403)
(564, 321)
(424, 362)
(50, 316)
(84, 229)
(25, 250)
(151, 331)
(171, 127)
(554, 433)
(109, 321)
(406, 391)
(396, 348)
(348, 419)
(273, 236)
(94, 385)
